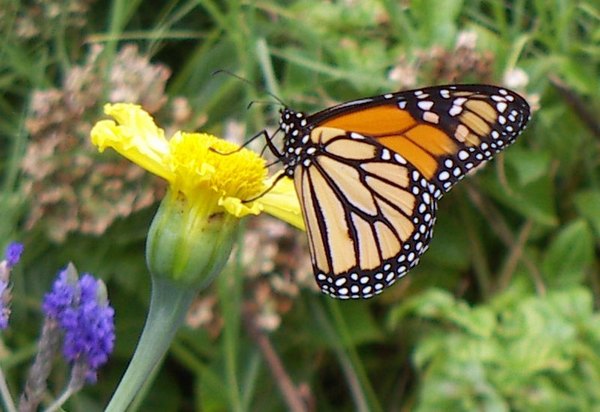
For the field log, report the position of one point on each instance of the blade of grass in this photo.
(336, 331)
(229, 287)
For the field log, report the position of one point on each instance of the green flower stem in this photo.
(6, 396)
(168, 306)
(58, 403)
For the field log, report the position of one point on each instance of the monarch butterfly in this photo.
(369, 173)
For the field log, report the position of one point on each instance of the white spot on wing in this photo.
(455, 110)
(425, 104)
(399, 159)
(431, 117)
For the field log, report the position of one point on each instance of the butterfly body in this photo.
(369, 173)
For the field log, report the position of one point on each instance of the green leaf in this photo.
(534, 200)
(449, 248)
(542, 352)
(439, 305)
(528, 165)
(579, 76)
(587, 204)
(570, 254)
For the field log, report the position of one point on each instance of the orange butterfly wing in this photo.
(369, 172)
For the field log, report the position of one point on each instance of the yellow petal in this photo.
(134, 136)
(201, 167)
(234, 206)
(282, 202)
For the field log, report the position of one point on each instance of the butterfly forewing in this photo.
(443, 131)
(369, 172)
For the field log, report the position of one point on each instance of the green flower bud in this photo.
(189, 243)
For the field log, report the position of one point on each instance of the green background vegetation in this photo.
(502, 313)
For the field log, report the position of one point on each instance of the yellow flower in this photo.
(212, 183)
(187, 162)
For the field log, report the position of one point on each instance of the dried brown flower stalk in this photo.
(442, 66)
(39, 19)
(70, 188)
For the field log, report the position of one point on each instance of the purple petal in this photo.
(13, 253)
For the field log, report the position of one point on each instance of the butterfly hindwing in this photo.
(368, 218)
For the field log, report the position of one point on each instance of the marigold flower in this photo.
(212, 183)
(197, 163)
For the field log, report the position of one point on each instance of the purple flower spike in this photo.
(89, 328)
(83, 313)
(13, 253)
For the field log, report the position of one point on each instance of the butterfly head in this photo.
(290, 120)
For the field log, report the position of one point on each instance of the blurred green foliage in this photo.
(518, 352)
(502, 312)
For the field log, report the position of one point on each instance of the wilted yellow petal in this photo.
(134, 136)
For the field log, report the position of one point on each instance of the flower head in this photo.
(81, 309)
(212, 183)
(196, 164)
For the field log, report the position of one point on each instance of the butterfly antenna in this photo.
(254, 85)
(263, 133)
(253, 102)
